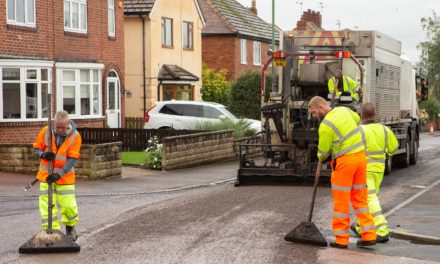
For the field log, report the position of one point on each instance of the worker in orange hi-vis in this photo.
(341, 137)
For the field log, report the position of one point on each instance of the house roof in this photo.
(134, 7)
(230, 17)
(170, 72)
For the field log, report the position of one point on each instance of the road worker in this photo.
(345, 84)
(66, 144)
(380, 141)
(341, 138)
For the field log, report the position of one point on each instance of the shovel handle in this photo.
(315, 188)
(29, 186)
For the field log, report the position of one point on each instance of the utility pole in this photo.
(338, 23)
(273, 45)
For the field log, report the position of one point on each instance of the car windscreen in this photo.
(182, 110)
(228, 113)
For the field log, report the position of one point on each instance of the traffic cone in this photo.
(431, 130)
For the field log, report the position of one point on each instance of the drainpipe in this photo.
(158, 90)
(144, 85)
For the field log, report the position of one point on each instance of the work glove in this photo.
(53, 178)
(48, 155)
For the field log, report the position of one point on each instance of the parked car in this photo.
(186, 114)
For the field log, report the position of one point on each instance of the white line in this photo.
(415, 196)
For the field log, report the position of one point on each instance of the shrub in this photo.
(241, 127)
(216, 87)
(153, 159)
(432, 107)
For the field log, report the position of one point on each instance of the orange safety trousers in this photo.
(349, 184)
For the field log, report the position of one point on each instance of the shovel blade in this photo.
(57, 242)
(306, 233)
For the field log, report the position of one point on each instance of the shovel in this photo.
(307, 232)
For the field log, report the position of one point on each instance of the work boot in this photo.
(382, 239)
(365, 243)
(336, 245)
(71, 232)
(353, 228)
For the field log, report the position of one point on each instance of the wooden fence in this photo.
(134, 122)
(132, 139)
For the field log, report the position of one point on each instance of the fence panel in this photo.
(133, 139)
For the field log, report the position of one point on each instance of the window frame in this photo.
(111, 14)
(70, 28)
(257, 59)
(77, 67)
(164, 33)
(243, 51)
(23, 67)
(188, 29)
(26, 14)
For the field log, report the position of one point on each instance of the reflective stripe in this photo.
(376, 161)
(359, 186)
(45, 220)
(341, 232)
(372, 191)
(66, 192)
(341, 188)
(362, 210)
(335, 129)
(323, 153)
(370, 153)
(386, 138)
(394, 150)
(377, 213)
(55, 170)
(342, 152)
(352, 133)
(383, 224)
(60, 157)
(340, 215)
(75, 134)
(71, 218)
(365, 228)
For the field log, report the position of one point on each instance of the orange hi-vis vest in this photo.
(69, 149)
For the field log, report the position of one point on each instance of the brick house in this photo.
(163, 52)
(73, 47)
(234, 37)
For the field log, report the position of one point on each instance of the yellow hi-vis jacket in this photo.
(380, 140)
(349, 86)
(339, 134)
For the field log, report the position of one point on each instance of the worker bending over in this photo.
(341, 137)
(380, 141)
(345, 84)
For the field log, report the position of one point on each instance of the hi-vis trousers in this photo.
(349, 184)
(374, 179)
(65, 196)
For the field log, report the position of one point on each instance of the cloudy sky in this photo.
(397, 18)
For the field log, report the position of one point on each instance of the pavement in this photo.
(423, 207)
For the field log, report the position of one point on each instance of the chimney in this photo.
(253, 7)
(309, 16)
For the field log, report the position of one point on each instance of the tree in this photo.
(429, 65)
(216, 88)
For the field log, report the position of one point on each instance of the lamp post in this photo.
(273, 45)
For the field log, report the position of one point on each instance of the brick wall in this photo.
(309, 16)
(224, 52)
(96, 162)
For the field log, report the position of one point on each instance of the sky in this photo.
(399, 19)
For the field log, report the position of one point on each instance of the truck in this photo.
(387, 78)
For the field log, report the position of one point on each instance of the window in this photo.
(79, 91)
(75, 16)
(188, 35)
(257, 53)
(21, 12)
(24, 92)
(178, 92)
(211, 112)
(111, 18)
(243, 51)
(167, 32)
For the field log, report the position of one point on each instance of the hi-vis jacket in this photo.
(68, 149)
(340, 134)
(380, 140)
(349, 86)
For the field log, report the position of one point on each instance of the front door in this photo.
(113, 110)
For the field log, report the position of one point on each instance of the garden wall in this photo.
(96, 162)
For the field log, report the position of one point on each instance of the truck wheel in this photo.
(388, 165)
(406, 156)
(413, 157)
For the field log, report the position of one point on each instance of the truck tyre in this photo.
(388, 165)
(415, 146)
(405, 158)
